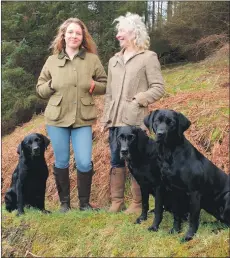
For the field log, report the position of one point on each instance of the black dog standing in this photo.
(29, 178)
(141, 155)
(185, 169)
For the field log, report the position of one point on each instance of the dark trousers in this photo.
(115, 161)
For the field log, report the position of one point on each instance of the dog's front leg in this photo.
(145, 205)
(177, 216)
(20, 199)
(194, 215)
(158, 210)
(40, 198)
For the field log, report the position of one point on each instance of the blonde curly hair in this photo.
(58, 43)
(133, 22)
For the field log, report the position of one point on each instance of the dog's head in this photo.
(33, 145)
(131, 139)
(166, 124)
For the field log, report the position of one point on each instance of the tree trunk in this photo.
(169, 11)
(153, 15)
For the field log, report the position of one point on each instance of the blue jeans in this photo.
(81, 139)
(116, 161)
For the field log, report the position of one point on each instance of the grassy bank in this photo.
(201, 92)
(100, 234)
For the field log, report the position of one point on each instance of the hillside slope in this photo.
(201, 92)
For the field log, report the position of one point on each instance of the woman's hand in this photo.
(92, 86)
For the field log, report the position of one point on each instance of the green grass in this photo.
(185, 78)
(191, 77)
(100, 234)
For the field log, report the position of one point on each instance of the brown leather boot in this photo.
(136, 204)
(61, 176)
(117, 189)
(84, 181)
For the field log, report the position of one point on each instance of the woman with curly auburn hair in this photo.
(134, 82)
(59, 42)
(69, 79)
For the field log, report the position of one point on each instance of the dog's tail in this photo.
(10, 200)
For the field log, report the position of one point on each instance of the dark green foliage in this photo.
(28, 28)
(193, 21)
(17, 78)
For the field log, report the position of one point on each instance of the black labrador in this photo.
(140, 153)
(28, 183)
(185, 169)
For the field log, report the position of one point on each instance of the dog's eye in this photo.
(168, 121)
(130, 137)
(37, 140)
(121, 137)
(160, 119)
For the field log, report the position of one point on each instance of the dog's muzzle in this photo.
(124, 154)
(161, 136)
(36, 151)
(161, 132)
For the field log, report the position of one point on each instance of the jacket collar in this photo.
(120, 54)
(81, 54)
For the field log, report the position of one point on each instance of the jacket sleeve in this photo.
(155, 82)
(100, 78)
(43, 87)
(108, 96)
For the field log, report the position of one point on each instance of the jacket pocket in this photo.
(132, 113)
(53, 109)
(107, 116)
(88, 110)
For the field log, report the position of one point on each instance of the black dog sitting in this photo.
(140, 153)
(185, 169)
(29, 178)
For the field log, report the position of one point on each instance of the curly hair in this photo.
(133, 22)
(58, 44)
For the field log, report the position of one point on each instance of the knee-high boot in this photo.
(136, 204)
(61, 176)
(84, 181)
(117, 189)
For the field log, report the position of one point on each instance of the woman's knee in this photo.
(61, 157)
(61, 164)
(60, 141)
(84, 165)
(61, 160)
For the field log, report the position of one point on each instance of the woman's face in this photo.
(73, 36)
(125, 38)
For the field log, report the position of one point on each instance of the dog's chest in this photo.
(141, 172)
(169, 174)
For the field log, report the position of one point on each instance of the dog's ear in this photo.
(184, 123)
(20, 148)
(148, 120)
(45, 139)
(142, 139)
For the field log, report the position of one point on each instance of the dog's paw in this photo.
(140, 219)
(46, 212)
(153, 228)
(174, 230)
(186, 238)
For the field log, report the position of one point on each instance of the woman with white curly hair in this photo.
(134, 82)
